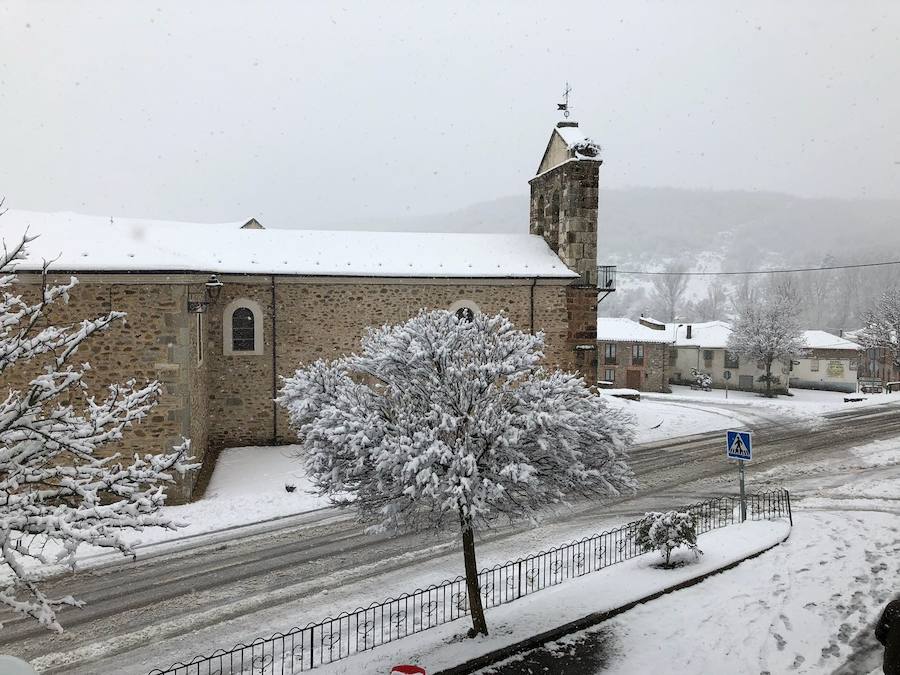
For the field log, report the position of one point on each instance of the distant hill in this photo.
(652, 228)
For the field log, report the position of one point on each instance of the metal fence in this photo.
(302, 649)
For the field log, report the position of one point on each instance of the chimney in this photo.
(689, 327)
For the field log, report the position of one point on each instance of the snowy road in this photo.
(169, 607)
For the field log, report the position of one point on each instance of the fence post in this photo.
(520, 579)
(790, 513)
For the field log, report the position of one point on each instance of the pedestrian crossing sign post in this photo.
(739, 446)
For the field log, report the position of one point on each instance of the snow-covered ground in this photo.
(808, 606)
(657, 420)
(612, 587)
(247, 486)
(799, 608)
(802, 402)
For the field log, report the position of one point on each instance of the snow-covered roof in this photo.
(91, 243)
(571, 135)
(819, 339)
(714, 335)
(707, 334)
(626, 330)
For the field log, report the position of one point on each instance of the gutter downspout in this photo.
(533, 284)
(274, 370)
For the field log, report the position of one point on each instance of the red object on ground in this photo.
(408, 670)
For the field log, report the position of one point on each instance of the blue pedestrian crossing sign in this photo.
(739, 445)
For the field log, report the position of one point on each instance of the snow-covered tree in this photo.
(664, 532)
(668, 293)
(766, 330)
(440, 420)
(713, 306)
(56, 492)
(881, 325)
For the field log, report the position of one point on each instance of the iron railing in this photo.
(332, 639)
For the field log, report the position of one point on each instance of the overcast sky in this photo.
(305, 113)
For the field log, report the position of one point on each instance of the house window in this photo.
(708, 355)
(609, 375)
(637, 354)
(732, 360)
(852, 364)
(814, 365)
(242, 328)
(609, 353)
(465, 310)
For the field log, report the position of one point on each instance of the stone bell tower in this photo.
(564, 197)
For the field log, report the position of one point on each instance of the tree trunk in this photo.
(769, 378)
(473, 590)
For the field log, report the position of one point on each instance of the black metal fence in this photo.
(302, 649)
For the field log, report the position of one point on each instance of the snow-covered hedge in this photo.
(667, 531)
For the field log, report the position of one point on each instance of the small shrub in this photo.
(289, 487)
(665, 532)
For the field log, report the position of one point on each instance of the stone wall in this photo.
(564, 211)
(223, 400)
(324, 319)
(153, 343)
(653, 372)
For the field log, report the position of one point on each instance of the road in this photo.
(168, 606)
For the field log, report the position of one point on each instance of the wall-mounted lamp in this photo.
(211, 291)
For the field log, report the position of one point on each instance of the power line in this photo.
(776, 271)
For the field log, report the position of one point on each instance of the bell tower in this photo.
(564, 196)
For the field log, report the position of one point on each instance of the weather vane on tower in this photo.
(565, 105)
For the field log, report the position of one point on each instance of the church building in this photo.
(218, 313)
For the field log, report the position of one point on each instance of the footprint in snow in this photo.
(845, 632)
(786, 621)
(799, 660)
(831, 650)
(780, 642)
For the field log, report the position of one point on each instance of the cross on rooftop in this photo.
(565, 105)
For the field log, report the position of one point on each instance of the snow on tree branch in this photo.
(441, 421)
(767, 330)
(56, 492)
(881, 325)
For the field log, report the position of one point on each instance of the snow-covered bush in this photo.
(586, 148)
(441, 421)
(56, 493)
(701, 379)
(665, 532)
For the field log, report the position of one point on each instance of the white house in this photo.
(830, 362)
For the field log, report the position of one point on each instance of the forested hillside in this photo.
(645, 229)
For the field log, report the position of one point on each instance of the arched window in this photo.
(242, 327)
(540, 215)
(554, 223)
(242, 330)
(464, 309)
